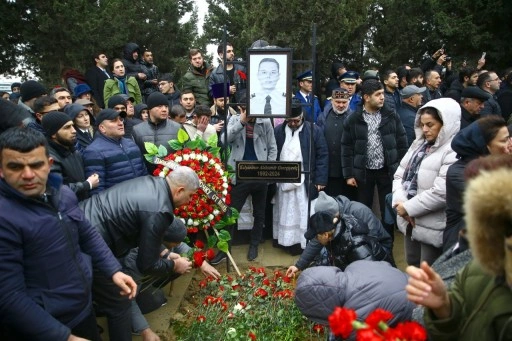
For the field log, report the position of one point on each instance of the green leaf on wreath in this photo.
(223, 246)
(192, 144)
(220, 224)
(215, 151)
(224, 236)
(162, 151)
(149, 158)
(175, 145)
(213, 141)
(151, 148)
(202, 144)
(182, 136)
(212, 240)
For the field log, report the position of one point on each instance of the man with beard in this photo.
(467, 77)
(233, 71)
(197, 77)
(293, 139)
(67, 161)
(373, 143)
(415, 77)
(131, 62)
(331, 123)
(348, 81)
(392, 99)
(152, 73)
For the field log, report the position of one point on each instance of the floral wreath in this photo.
(208, 207)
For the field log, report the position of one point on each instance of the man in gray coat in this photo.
(250, 139)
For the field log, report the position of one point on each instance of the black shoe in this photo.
(294, 250)
(219, 258)
(252, 253)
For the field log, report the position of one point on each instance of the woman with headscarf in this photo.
(419, 187)
(488, 135)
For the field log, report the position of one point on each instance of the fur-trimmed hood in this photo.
(488, 208)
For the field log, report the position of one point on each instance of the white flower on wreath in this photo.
(186, 157)
(178, 159)
(205, 158)
(192, 155)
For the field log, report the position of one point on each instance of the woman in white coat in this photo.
(419, 186)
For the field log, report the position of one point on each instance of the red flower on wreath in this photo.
(201, 212)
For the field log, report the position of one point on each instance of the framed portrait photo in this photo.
(269, 82)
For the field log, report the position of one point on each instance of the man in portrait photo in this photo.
(269, 95)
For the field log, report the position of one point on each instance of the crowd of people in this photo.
(404, 136)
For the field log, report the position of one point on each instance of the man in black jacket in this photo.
(67, 161)
(138, 213)
(373, 143)
(97, 75)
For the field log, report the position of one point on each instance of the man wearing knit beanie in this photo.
(30, 91)
(67, 162)
(157, 129)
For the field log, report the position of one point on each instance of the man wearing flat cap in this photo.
(412, 97)
(331, 123)
(67, 161)
(113, 157)
(472, 100)
(305, 95)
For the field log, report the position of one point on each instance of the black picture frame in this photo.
(261, 64)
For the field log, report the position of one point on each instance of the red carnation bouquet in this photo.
(343, 322)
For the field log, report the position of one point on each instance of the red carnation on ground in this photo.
(376, 316)
(340, 321)
(198, 258)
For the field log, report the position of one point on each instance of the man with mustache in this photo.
(67, 161)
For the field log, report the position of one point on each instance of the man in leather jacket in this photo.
(138, 213)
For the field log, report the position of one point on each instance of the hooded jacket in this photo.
(481, 300)
(428, 206)
(133, 67)
(363, 286)
(469, 144)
